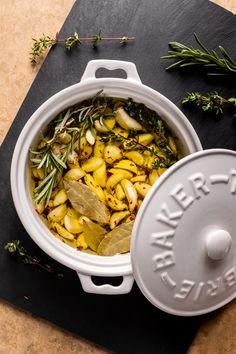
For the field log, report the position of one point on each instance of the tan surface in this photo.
(227, 4)
(19, 21)
(22, 333)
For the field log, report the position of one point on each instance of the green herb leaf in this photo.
(213, 63)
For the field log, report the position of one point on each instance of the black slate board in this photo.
(127, 323)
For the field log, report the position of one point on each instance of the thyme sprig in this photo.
(132, 142)
(15, 248)
(41, 44)
(210, 60)
(64, 134)
(210, 102)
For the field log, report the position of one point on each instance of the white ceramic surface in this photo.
(183, 247)
(84, 264)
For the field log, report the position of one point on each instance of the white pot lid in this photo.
(183, 248)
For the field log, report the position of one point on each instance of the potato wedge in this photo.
(161, 170)
(72, 225)
(74, 174)
(172, 144)
(38, 173)
(73, 159)
(106, 125)
(130, 192)
(58, 213)
(135, 156)
(142, 188)
(73, 213)
(86, 152)
(81, 243)
(98, 148)
(113, 180)
(100, 176)
(115, 203)
(63, 138)
(90, 137)
(112, 153)
(60, 197)
(119, 192)
(126, 174)
(125, 121)
(61, 231)
(117, 217)
(140, 178)
(40, 206)
(153, 176)
(145, 138)
(127, 165)
(92, 164)
(122, 132)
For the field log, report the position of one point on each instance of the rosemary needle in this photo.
(213, 63)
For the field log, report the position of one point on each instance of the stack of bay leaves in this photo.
(92, 168)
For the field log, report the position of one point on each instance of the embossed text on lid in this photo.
(183, 244)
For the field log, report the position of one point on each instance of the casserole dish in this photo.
(87, 265)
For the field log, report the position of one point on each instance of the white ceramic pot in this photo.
(87, 265)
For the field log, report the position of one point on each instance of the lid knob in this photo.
(218, 243)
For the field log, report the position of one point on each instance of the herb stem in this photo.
(45, 42)
(14, 247)
(213, 63)
(211, 101)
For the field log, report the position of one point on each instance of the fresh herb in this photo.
(65, 132)
(15, 248)
(210, 102)
(213, 63)
(145, 116)
(155, 164)
(40, 45)
(70, 41)
(132, 142)
(96, 39)
(111, 136)
(152, 123)
(64, 137)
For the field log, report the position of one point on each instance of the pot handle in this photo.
(106, 289)
(94, 65)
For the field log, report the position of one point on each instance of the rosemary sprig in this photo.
(40, 45)
(15, 248)
(63, 135)
(213, 63)
(211, 102)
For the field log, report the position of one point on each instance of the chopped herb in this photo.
(156, 164)
(14, 247)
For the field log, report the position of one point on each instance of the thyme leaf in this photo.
(14, 247)
(210, 102)
(45, 42)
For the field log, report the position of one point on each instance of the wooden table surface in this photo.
(19, 21)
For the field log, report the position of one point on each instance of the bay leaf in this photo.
(93, 234)
(117, 240)
(86, 201)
